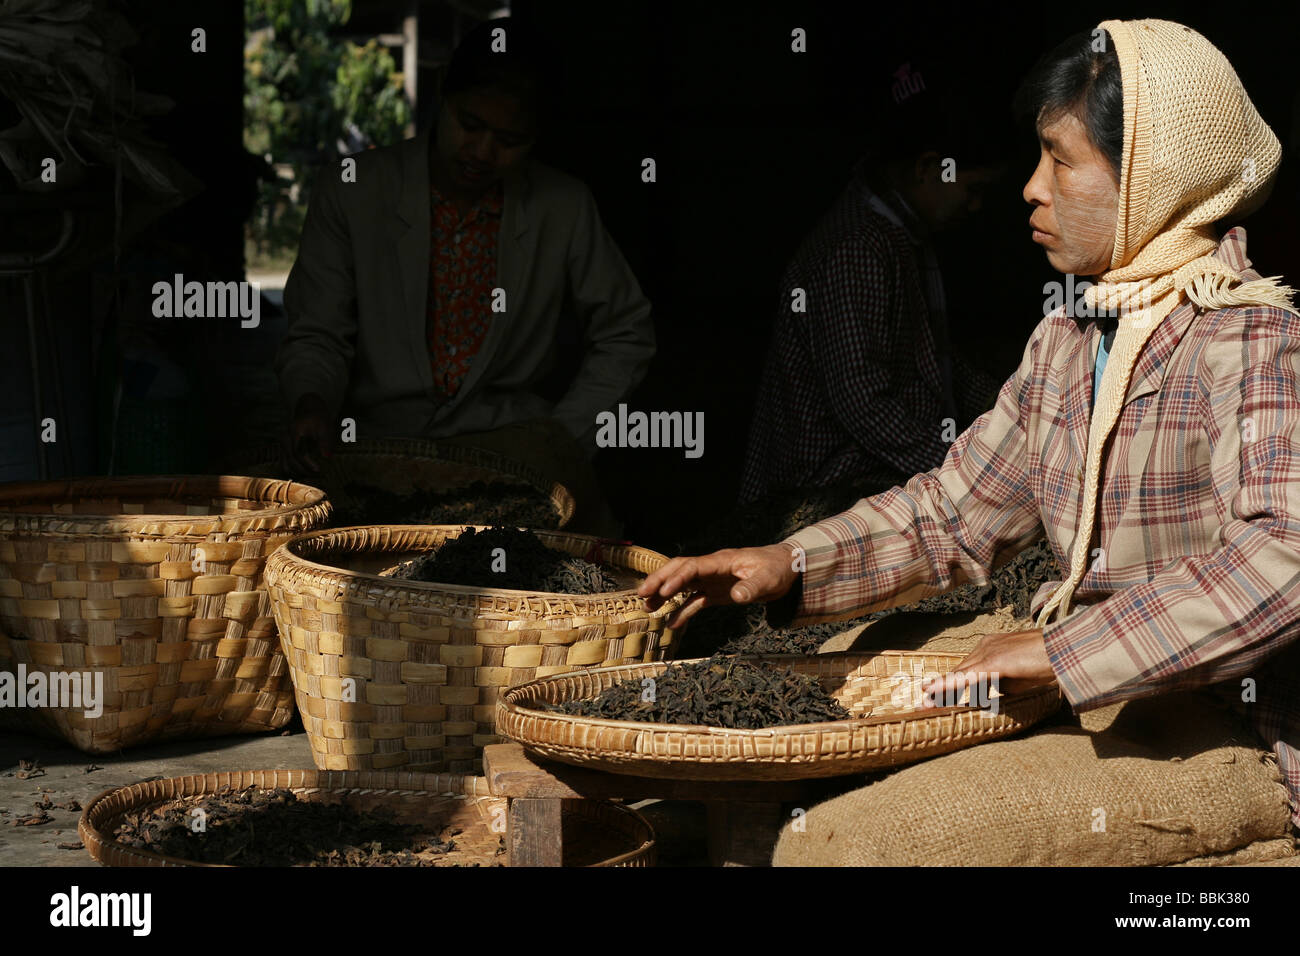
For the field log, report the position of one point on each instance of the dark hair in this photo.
(919, 104)
(1075, 78)
(522, 69)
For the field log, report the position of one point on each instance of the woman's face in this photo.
(1075, 196)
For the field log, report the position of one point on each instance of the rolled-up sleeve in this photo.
(944, 527)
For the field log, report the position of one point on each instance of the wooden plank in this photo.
(534, 833)
(513, 772)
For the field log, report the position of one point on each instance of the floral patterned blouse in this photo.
(462, 274)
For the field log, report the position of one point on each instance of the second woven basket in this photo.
(392, 673)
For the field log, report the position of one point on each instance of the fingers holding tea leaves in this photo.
(667, 581)
(719, 575)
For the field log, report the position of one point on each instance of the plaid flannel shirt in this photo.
(1195, 577)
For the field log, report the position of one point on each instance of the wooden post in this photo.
(745, 817)
(534, 833)
(411, 59)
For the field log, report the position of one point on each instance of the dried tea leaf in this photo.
(276, 828)
(716, 692)
(472, 559)
(481, 502)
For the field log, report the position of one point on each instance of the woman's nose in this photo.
(1035, 191)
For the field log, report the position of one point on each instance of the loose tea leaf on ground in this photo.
(717, 692)
(470, 559)
(481, 502)
(254, 827)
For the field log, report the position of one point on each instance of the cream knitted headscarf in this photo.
(1195, 151)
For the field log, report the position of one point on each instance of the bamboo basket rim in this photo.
(435, 450)
(572, 738)
(294, 562)
(95, 824)
(293, 499)
(507, 701)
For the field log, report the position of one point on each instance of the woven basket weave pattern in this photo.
(155, 583)
(392, 673)
(877, 689)
(435, 800)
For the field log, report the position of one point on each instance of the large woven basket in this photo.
(596, 832)
(880, 690)
(155, 583)
(406, 465)
(395, 673)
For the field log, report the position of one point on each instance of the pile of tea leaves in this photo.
(744, 629)
(481, 502)
(255, 827)
(523, 563)
(719, 691)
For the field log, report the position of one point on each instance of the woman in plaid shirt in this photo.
(1175, 499)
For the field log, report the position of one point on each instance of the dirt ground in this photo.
(65, 774)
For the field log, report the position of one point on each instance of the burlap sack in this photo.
(1293, 860)
(1260, 853)
(1148, 782)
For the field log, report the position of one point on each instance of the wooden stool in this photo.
(744, 817)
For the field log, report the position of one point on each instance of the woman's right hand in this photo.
(729, 576)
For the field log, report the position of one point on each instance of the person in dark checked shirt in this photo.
(862, 384)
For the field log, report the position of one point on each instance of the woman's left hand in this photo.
(1018, 661)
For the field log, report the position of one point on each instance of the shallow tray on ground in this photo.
(880, 689)
(595, 832)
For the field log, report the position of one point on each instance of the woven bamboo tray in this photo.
(406, 465)
(155, 583)
(878, 689)
(393, 673)
(596, 832)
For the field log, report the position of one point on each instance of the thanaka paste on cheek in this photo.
(1084, 199)
(1086, 203)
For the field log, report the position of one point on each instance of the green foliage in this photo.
(302, 89)
(369, 94)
